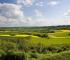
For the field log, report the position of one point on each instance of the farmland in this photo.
(35, 43)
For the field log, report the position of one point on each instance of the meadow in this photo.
(36, 44)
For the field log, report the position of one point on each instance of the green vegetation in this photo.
(39, 43)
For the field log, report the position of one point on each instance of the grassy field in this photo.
(31, 46)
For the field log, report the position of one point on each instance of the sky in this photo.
(17, 13)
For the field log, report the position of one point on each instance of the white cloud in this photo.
(40, 4)
(29, 2)
(3, 19)
(38, 13)
(11, 14)
(48, 22)
(10, 10)
(67, 14)
(53, 3)
(25, 2)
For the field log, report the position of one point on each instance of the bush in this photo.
(34, 55)
(69, 34)
(12, 34)
(43, 35)
(15, 56)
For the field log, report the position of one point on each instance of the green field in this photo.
(18, 45)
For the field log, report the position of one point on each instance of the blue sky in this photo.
(7, 1)
(34, 12)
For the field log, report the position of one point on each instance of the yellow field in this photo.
(4, 35)
(65, 30)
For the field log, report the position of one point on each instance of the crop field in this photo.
(35, 45)
(60, 34)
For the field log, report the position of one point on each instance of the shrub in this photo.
(43, 35)
(15, 56)
(34, 55)
(12, 34)
(69, 34)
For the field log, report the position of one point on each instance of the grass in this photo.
(45, 41)
(4, 35)
(56, 56)
(65, 30)
(50, 41)
(60, 34)
(59, 37)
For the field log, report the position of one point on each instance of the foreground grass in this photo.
(56, 56)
